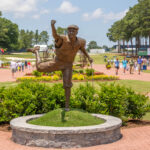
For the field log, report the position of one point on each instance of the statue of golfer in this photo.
(66, 50)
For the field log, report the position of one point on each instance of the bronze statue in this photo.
(66, 50)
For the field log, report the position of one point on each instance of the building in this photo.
(97, 51)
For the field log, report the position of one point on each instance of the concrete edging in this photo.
(65, 137)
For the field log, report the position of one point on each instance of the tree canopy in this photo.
(134, 26)
(9, 33)
(92, 45)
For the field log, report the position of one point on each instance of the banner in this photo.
(148, 51)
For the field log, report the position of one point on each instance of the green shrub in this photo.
(85, 97)
(29, 98)
(59, 73)
(122, 102)
(37, 73)
(81, 71)
(110, 99)
(89, 72)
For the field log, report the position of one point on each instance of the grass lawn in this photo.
(99, 58)
(61, 118)
(147, 116)
(19, 55)
(139, 86)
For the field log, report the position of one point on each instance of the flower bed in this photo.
(79, 77)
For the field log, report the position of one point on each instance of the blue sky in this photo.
(94, 17)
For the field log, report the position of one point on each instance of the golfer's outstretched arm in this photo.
(58, 39)
(54, 33)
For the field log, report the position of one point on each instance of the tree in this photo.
(61, 30)
(44, 37)
(26, 39)
(36, 37)
(9, 33)
(135, 25)
(92, 45)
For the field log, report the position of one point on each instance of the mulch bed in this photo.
(136, 123)
(5, 128)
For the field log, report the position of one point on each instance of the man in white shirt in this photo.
(13, 66)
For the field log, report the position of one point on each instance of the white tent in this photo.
(43, 48)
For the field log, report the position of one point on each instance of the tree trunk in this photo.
(123, 47)
(139, 43)
(136, 39)
(118, 46)
(132, 46)
(146, 42)
(127, 48)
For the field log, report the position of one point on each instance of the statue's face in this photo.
(72, 32)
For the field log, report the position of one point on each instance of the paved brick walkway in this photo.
(133, 139)
(6, 75)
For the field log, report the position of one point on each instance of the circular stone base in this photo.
(65, 137)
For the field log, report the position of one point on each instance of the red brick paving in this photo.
(133, 139)
(6, 75)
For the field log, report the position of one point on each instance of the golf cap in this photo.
(73, 27)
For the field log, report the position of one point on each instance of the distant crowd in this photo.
(132, 64)
(20, 66)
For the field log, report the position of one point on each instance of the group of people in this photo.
(19, 66)
(132, 64)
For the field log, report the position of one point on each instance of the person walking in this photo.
(13, 66)
(131, 63)
(117, 66)
(26, 64)
(29, 65)
(22, 66)
(124, 64)
(19, 66)
(139, 62)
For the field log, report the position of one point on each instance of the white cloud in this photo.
(114, 16)
(86, 16)
(94, 15)
(98, 13)
(42, 12)
(67, 7)
(19, 8)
